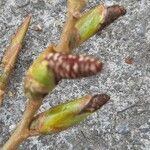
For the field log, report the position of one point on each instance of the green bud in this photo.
(39, 78)
(93, 21)
(90, 22)
(68, 114)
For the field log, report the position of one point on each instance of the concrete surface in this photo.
(124, 123)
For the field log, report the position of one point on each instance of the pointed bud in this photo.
(11, 54)
(94, 21)
(16, 44)
(68, 114)
(73, 66)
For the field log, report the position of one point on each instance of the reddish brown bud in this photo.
(71, 66)
(112, 13)
(96, 102)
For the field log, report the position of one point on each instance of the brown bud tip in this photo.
(96, 102)
(73, 66)
(113, 13)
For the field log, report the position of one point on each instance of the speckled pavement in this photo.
(123, 123)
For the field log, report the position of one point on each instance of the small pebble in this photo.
(129, 60)
(38, 28)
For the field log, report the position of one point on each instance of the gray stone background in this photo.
(123, 123)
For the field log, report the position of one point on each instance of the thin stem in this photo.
(22, 131)
(74, 7)
(1, 97)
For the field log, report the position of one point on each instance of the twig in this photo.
(74, 7)
(39, 81)
(22, 131)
